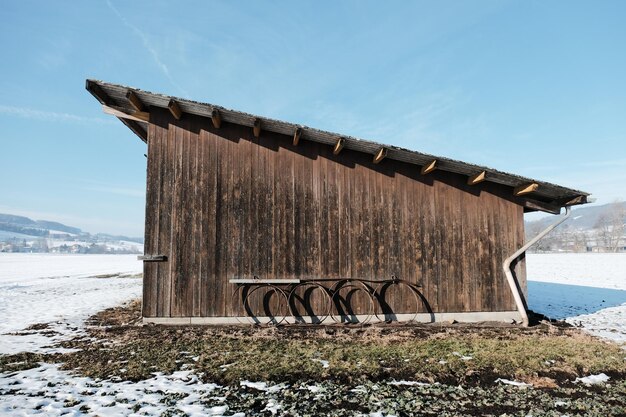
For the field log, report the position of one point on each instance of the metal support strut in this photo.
(521, 307)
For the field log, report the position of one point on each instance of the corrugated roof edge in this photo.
(115, 94)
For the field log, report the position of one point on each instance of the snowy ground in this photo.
(61, 289)
(587, 290)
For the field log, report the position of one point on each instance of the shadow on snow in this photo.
(560, 301)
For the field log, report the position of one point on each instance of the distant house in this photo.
(253, 218)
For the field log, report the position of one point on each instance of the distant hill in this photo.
(58, 227)
(583, 218)
(24, 226)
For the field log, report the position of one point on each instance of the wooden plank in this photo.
(223, 214)
(150, 277)
(279, 246)
(525, 189)
(321, 215)
(476, 179)
(432, 249)
(338, 146)
(216, 118)
(263, 281)
(184, 284)
(428, 168)
(380, 155)
(152, 258)
(290, 162)
(213, 219)
(116, 111)
(203, 218)
(175, 109)
(442, 229)
(177, 216)
(344, 208)
(167, 215)
(264, 208)
(194, 203)
(297, 237)
(231, 211)
(330, 252)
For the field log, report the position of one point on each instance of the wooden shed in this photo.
(257, 220)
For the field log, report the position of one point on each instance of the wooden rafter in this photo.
(296, 136)
(430, 167)
(216, 118)
(136, 127)
(541, 206)
(338, 146)
(99, 93)
(256, 129)
(175, 109)
(478, 178)
(380, 155)
(134, 101)
(525, 189)
(581, 199)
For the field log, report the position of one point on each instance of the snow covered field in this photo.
(584, 289)
(62, 289)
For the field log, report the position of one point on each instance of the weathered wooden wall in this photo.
(223, 204)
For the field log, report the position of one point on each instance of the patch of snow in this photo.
(322, 362)
(262, 386)
(593, 379)
(48, 391)
(218, 410)
(272, 406)
(409, 383)
(313, 388)
(514, 383)
(462, 357)
(61, 290)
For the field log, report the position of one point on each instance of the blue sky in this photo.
(532, 88)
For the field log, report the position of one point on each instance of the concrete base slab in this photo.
(466, 317)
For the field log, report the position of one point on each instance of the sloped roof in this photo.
(545, 196)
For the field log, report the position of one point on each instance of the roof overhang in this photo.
(132, 107)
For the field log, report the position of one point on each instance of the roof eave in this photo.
(548, 197)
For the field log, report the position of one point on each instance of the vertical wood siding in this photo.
(223, 204)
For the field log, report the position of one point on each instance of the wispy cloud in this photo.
(123, 191)
(149, 47)
(110, 188)
(49, 116)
